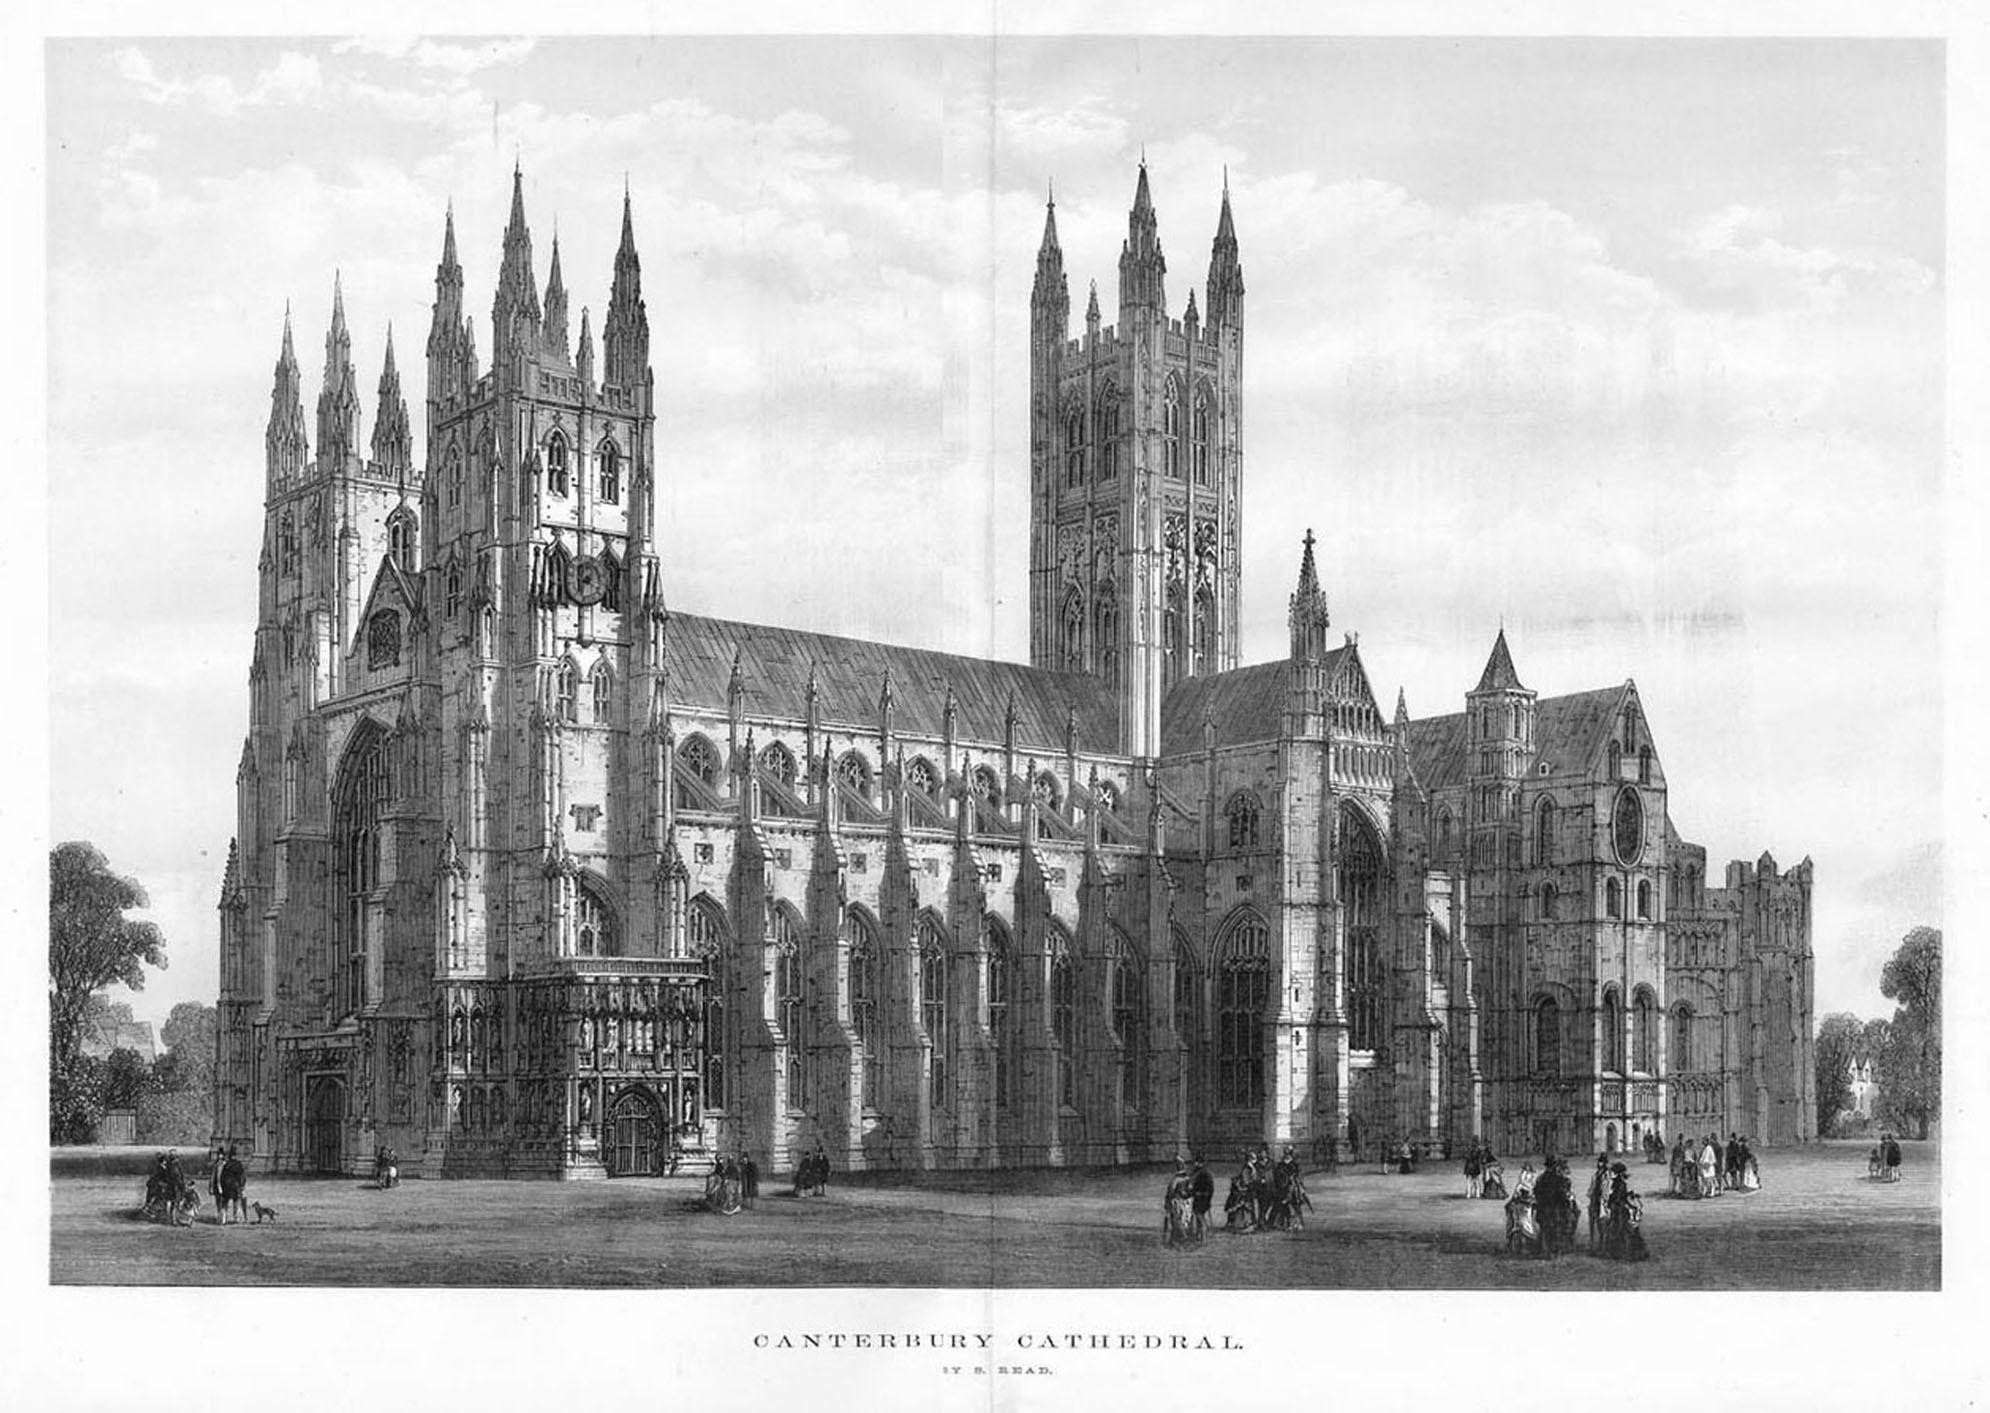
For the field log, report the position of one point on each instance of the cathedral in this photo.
(535, 876)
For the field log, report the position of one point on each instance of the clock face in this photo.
(589, 581)
(1627, 827)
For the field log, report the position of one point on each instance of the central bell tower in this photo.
(1136, 460)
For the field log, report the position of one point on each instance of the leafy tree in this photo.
(189, 1034)
(91, 943)
(76, 1101)
(1910, 1054)
(1840, 1038)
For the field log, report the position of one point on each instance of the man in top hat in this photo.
(1599, 1189)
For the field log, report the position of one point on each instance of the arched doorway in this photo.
(634, 1141)
(324, 1125)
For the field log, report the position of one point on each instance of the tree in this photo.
(1910, 1058)
(91, 943)
(189, 1035)
(127, 1079)
(1840, 1039)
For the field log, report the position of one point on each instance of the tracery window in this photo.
(601, 683)
(452, 592)
(1063, 1015)
(383, 639)
(566, 692)
(1171, 429)
(1613, 1031)
(987, 787)
(1044, 791)
(1108, 796)
(401, 541)
(921, 776)
(697, 759)
(594, 926)
(1644, 1031)
(778, 761)
(358, 797)
(557, 476)
(610, 458)
(855, 773)
(1244, 816)
(1108, 434)
(1547, 1037)
(1361, 911)
(1073, 654)
(1199, 438)
(455, 478)
(933, 1010)
(1105, 633)
(1128, 1017)
(1243, 995)
(1074, 449)
(865, 990)
(611, 582)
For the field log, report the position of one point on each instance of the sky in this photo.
(1635, 347)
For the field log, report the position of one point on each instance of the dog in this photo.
(262, 1212)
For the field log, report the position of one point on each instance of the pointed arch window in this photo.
(1044, 790)
(1613, 898)
(1550, 899)
(1544, 834)
(1644, 1031)
(1001, 981)
(601, 685)
(1644, 765)
(454, 480)
(383, 639)
(609, 459)
(1360, 887)
(705, 932)
(1107, 794)
(1204, 629)
(1613, 1030)
(790, 988)
(559, 574)
(987, 788)
(921, 776)
(1063, 1015)
(594, 926)
(1243, 994)
(933, 1011)
(1644, 900)
(1614, 759)
(286, 543)
(1105, 634)
(1074, 449)
(401, 540)
(452, 591)
(1171, 429)
(558, 475)
(1072, 650)
(1547, 1037)
(1199, 437)
(778, 761)
(1109, 442)
(865, 989)
(1245, 816)
(1129, 1017)
(697, 759)
(1174, 629)
(358, 797)
(566, 692)
(855, 774)
(1188, 991)
(1444, 831)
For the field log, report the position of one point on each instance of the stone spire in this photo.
(1308, 614)
(393, 445)
(285, 442)
(338, 400)
(1226, 275)
(445, 328)
(515, 311)
(1141, 264)
(584, 354)
(625, 333)
(1050, 296)
(1499, 675)
(555, 329)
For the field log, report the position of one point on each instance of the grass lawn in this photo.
(1817, 1224)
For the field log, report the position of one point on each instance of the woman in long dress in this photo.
(1709, 1169)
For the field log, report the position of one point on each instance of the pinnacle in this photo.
(289, 349)
(1309, 574)
(449, 235)
(1500, 675)
(1143, 200)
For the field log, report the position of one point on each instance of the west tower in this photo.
(1136, 452)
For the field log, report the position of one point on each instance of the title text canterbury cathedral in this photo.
(534, 876)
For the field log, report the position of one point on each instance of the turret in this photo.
(1142, 267)
(393, 446)
(1050, 296)
(1499, 717)
(1307, 615)
(446, 328)
(1226, 274)
(338, 400)
(625, 333)
(287, 451)
(554, 332)
(515, 317)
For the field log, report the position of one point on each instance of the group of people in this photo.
(1484, 1177)
(1541, 1216)
(1883, 1164)
(1266, 1194)
(734, 1183)
(386, 1168)
(170, 1195)
(812, 1174)
(1185, 1206)
(1708, 1168)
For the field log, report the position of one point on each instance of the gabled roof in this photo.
(850, 675)
(1568, 733)
(1499, 675)
(1246, 704)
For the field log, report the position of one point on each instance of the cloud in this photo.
(293, 78)
(460, 58)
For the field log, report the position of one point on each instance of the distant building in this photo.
(102, 1036)
(535, 876)
(1864, 1085)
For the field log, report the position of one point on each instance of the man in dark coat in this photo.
(1202, 1195)
(1599, 1190)
(749, 1180)
(235, 1186)
(1554, 1208)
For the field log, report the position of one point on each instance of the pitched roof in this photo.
(850, 674)
(1499, 675)
(1568, 731)
(1245, 703)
